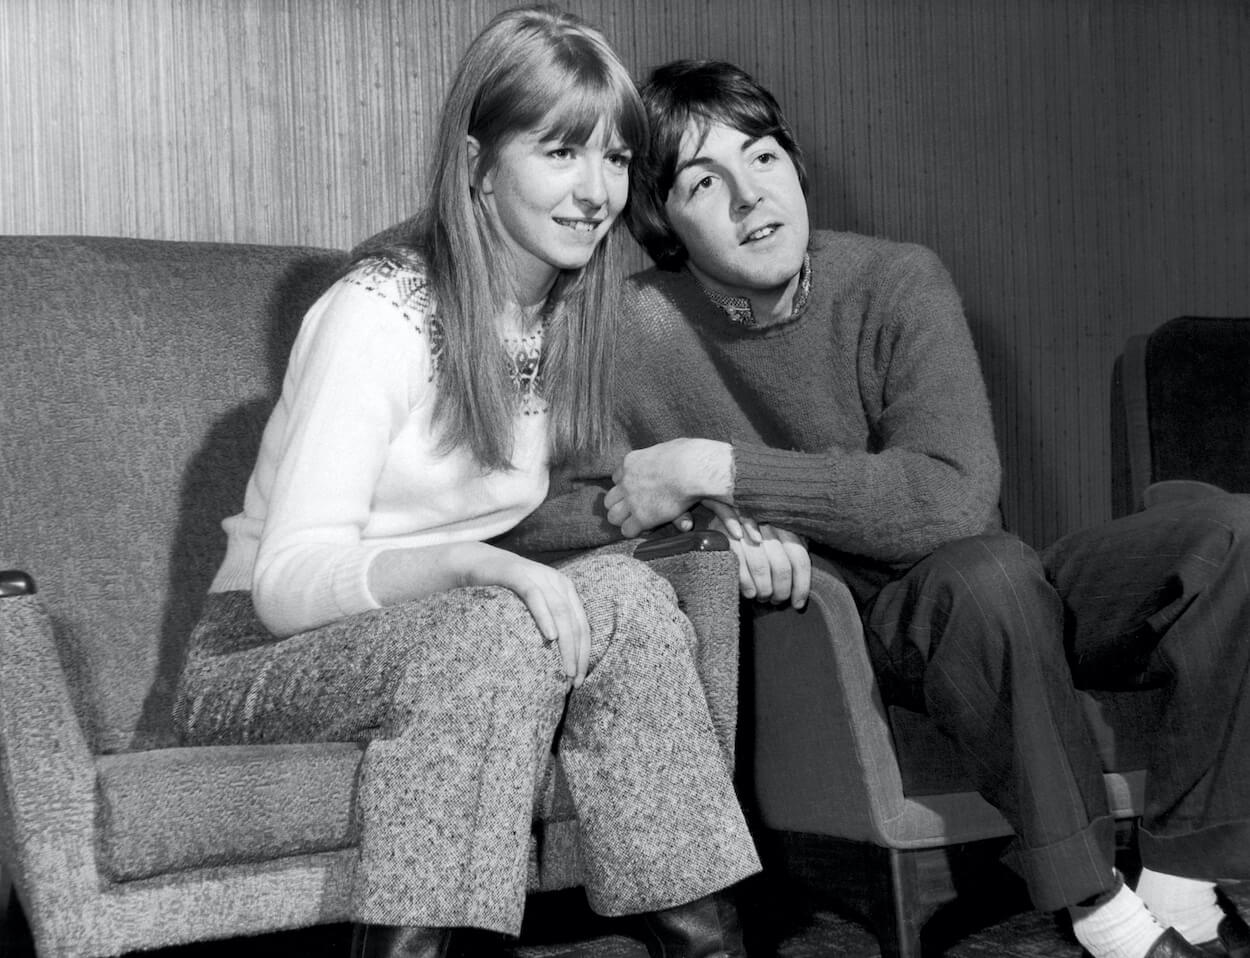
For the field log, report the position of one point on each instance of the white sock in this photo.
(1188, 905)
(1121, 927)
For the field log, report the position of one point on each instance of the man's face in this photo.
(737, 206)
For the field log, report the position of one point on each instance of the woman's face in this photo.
(554, 201)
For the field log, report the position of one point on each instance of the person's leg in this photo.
(459, 697)
(1163, 598)
(973, 636)
(659, 822)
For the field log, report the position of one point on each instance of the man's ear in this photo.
(479, 178)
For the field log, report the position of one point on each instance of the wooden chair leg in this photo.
(893, 891)
(896, 892)
(898, 911)
(6, 906)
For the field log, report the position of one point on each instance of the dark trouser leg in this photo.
(1163, 597)
(973, 635)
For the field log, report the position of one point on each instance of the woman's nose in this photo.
(591, 188)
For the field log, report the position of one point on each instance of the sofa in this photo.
(135, 379)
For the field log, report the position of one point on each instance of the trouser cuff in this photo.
(1068, 871)
(1218, 853)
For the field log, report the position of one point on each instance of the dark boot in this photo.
(400, 941)
(705, 928)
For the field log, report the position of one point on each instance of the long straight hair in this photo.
(530, 68)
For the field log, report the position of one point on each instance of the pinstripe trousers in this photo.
(990, 639)
(460, 700)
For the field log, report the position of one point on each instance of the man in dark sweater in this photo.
(819, 394)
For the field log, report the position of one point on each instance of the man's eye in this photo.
(766, 159)
(703, 183)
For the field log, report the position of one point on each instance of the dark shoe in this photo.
(1172, 944)
(705, 928)
(1234, 935)
(400, 941)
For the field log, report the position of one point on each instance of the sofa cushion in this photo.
(173, 809)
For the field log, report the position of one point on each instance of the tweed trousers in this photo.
(461, 702)
(990, 639)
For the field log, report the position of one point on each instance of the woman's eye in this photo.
(621, 160)
(560, 153)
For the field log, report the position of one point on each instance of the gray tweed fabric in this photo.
(461, 702)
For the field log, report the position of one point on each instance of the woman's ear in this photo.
(479, 178)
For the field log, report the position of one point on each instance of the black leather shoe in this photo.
(1172, 944)
(400, 941)
(705, 928)
(1234, 935)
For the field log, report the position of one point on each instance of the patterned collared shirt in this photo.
(738, 308)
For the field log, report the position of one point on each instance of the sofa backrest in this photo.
(135, 380)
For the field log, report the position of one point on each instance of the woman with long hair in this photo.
(429, 392)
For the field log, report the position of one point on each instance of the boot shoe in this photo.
(705, 928)
(1172, 944)
(1234, 937)
(400, 941)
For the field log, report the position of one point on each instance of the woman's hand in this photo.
(773, 563)
(553, 602)
(400, 575)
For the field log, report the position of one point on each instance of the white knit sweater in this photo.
(349, 465)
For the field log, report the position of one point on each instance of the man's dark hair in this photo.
(705, 92)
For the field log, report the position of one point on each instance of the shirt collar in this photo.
(738, 308)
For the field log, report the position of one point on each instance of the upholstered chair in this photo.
(135, 379)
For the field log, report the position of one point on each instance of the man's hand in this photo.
(658, 484)
(773, 563)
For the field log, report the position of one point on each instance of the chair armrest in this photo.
(704, 575)
(1178, 490)
(823, 751)
(699, 540)
(15, 582)
(47, 776)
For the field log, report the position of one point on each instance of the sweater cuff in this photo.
(350, 585)
(764, 476)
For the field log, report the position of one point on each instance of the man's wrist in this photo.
(714, 467)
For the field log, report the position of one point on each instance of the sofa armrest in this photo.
(704, 574)
(47, 773)
(699, 540)
(823, 751)
(1178, 490)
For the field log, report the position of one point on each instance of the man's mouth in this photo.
(580, 226)
(762, 233)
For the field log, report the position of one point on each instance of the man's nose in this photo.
(746, 193)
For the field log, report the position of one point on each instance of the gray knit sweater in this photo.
(861, 422)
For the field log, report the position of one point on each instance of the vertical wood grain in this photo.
(1080, 165)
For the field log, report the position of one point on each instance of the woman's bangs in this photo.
(585, 100)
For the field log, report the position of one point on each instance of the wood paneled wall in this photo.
(1082, 166)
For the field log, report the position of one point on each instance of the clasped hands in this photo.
(662, 483)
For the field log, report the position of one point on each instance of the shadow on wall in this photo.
(214, 483)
